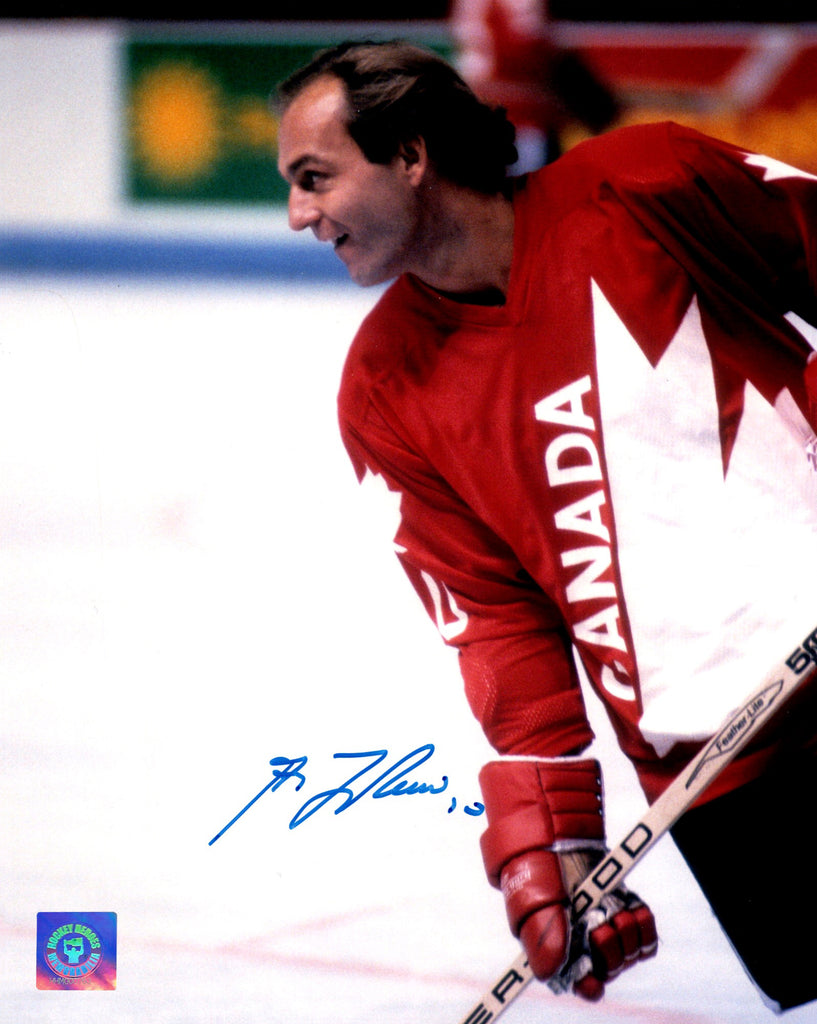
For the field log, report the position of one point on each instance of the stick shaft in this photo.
(684, 790)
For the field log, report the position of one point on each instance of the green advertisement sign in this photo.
(198, 122)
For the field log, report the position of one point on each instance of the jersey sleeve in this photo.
(514, 653)
(760, 212)
(744, 226)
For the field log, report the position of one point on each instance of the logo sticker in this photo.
(76, 951)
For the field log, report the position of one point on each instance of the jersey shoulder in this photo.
(648, 159)
(387, 341)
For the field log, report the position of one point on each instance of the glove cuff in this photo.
(539, 804)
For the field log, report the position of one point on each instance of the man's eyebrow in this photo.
(293, 168)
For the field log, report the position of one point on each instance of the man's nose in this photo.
(303, 212)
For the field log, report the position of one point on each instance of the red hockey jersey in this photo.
(614, 462)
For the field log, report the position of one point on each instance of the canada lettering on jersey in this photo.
(572, 457)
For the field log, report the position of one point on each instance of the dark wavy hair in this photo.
(397, 92)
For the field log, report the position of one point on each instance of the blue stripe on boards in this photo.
(118, 255)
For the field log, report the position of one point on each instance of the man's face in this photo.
(369, 212)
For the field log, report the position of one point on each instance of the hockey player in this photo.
(508, 56)
(592, 389)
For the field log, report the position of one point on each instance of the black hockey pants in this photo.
(752, 851)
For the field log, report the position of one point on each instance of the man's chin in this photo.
(365, 273)
(369, 278)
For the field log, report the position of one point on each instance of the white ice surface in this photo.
(190, 584)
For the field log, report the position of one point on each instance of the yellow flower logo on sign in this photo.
(177, 122)
(254, 126)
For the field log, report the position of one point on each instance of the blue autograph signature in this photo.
(391, 782)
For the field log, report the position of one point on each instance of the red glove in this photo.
(545, 834)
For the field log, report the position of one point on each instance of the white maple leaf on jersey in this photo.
(382, 507)
(776, 169)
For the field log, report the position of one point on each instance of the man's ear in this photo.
(414, 157)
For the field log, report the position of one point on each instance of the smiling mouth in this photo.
(339, 241)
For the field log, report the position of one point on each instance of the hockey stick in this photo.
(733, 735)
